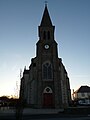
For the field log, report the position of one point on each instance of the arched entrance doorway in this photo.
(48, 98)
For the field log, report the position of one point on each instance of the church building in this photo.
(46, 83)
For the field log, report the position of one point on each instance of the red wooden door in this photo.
(48, 100)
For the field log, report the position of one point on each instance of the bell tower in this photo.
(48, 64)
(46, 41)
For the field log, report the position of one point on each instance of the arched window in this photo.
(44, 35)
(48, 35)
(47, 70)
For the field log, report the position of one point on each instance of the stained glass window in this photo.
(47, 71)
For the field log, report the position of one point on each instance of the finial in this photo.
(25, 68)
(46, 2)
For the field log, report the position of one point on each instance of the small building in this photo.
(82, 95)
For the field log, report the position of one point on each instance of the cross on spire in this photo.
(46, 2)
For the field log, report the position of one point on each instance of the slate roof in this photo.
(83, 89)
(46, 21)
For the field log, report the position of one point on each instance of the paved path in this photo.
(29, 111)
(40, 114)
(44, 117)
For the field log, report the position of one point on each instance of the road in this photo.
(45, 117)
(10, 114)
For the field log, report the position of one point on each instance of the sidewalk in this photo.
(41, 111)
(6, 111)
(29, 111)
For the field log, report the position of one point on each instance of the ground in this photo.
(80, 113)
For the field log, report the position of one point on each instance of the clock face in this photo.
(46, 46)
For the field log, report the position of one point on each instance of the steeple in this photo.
(46, 29)
(46, 21)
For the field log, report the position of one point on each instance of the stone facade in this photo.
(46, 84)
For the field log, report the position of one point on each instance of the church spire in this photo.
(46, 21)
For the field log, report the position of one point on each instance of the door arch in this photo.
(48, 97)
